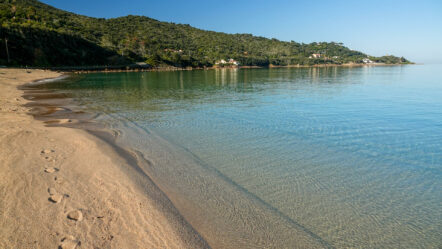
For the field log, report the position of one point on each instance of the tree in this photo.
(7, 50)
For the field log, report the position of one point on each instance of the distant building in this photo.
(173, 50)
(315, 56)
(234, 62)
(224, 62)
(367, 61)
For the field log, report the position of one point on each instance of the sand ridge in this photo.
(64, 188)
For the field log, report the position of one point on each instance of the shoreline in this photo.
(104, 69)
(66, 187)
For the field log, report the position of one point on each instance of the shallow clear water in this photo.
(326, 157)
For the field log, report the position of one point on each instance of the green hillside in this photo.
(40, 35)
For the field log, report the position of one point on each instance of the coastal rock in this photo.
(75, 215)
(69, 242)
(56, 198)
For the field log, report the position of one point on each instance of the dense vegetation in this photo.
(36, 34)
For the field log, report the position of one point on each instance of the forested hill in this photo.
(35, 34)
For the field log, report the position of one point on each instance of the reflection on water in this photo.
(326, 157)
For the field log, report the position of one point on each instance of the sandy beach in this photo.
(65, 188)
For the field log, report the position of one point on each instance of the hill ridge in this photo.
(36, 34)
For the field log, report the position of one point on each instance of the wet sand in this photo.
(65, 188)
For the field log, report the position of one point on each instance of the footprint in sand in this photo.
(52, 191)
(45, 154)
(47, 151)
(51, 170)
(69, 242)
(75, 215)
(56, 198)
(50, 159)
(59, 179)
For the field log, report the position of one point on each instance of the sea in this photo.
(319, 157)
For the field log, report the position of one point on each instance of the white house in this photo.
(367, 61)
(315, 56)
(230, 61)
(234, 62)
(222, 61)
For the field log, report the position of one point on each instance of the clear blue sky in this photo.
(405, 28)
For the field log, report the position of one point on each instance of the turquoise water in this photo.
(288, 157)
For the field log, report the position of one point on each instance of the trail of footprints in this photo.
(68, 242)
